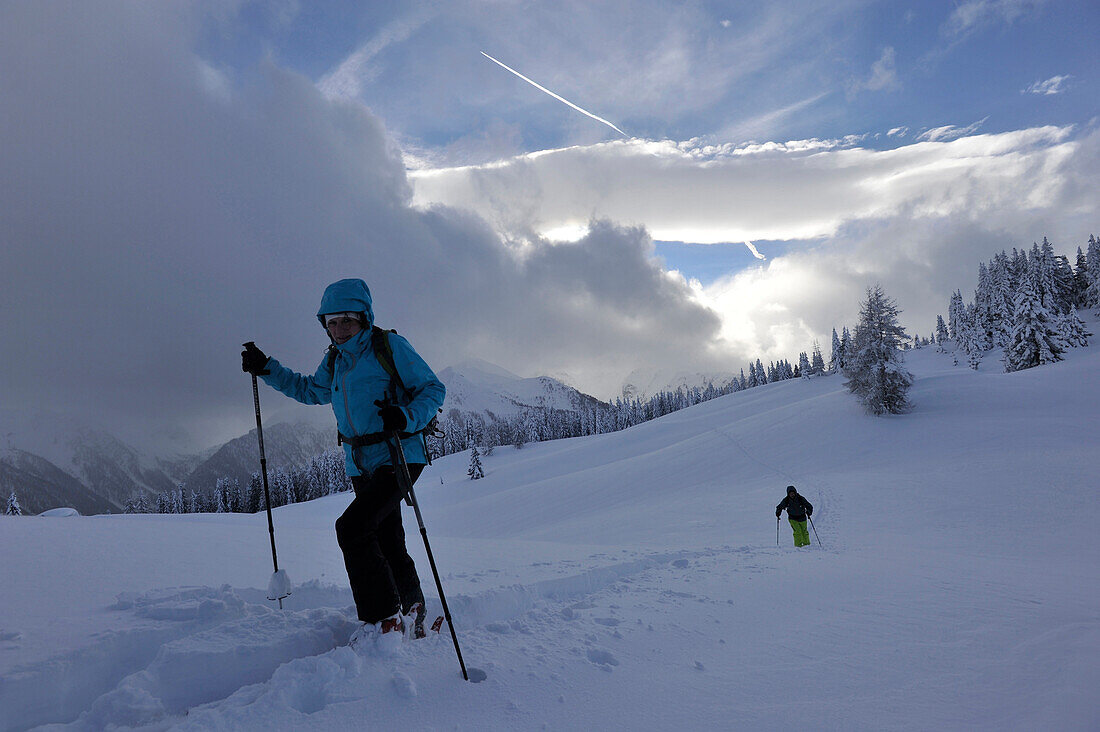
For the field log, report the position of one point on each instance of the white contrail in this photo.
(560, 99)
(752, 249)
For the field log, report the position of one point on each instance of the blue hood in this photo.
(346, 296)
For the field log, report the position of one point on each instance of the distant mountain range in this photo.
(479, 387)
(51, 460)
(645, 383)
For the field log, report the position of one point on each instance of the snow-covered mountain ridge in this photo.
(643, 384)
(50, 462)
(86, 467)
(625, 580)
(482, 388)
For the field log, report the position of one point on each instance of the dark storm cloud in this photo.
(156, 212)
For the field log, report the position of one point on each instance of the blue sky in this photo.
(701, 69)
(187, 176)
(882, 72)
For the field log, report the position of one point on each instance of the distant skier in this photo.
(369, 401)
(798, 508)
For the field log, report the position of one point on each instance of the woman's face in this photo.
(341, 329)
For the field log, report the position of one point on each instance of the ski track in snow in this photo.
(210, 658)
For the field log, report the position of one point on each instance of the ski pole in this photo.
(397, 455)
(815, 530)
(279, 584)
(777, 531)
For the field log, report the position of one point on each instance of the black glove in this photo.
(393, 419)
(253, 360)
(809, 512)
(777, 513)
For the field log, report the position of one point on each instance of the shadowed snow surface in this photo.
(623, 581)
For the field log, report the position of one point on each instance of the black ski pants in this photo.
(382, 574)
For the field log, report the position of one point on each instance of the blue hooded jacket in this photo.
(357, 380)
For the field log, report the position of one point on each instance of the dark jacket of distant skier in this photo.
(369, 404)
(795, 504)
(357, 379)
(798, 508)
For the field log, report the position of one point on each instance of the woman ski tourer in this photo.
(377, 384)
(798, 508)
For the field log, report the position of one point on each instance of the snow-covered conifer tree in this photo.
(1001, 298)
(1080, 279)
(1064, 285)
(1092, 294)
(804, 365)
(761, 375)
(220, 491)
(941, 331)
(968, 339)
(475, 471)
(834, 356)
(875, 372)
(13, 509)
(817, 363)
(954, 308)
(845, 347)
(1073, 330)
(982, 321)
(1034, 339)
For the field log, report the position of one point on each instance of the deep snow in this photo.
(624, 581)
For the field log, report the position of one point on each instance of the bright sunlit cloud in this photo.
(778, 191)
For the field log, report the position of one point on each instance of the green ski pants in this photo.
(801, 536)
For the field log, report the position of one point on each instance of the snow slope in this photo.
(624, 581)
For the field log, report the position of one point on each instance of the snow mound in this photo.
(53, 512)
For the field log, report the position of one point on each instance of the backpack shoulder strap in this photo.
(383, 351)
(330, 359)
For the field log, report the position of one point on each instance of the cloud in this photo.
(1053, 85)
(804, 189)
(898, 132)
(160, 210)
(777, 309)
(155, 221)
(359, 69)
(884, 74)
(974, 15)
(672, 67)
(914, 219)
(950, 132)
(762, 124)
